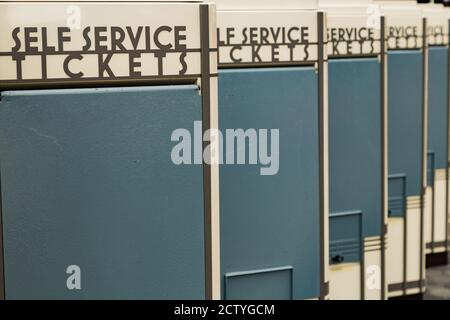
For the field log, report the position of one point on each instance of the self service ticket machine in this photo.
(357, 146)
(272, 87)
(100, 195)
(407, 152)
(436, 196)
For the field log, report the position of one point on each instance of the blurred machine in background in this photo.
(358, 176)
(274, 235)
(436, 199)
(407, 141)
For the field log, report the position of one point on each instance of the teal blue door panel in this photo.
(438, 105)
(275, 283)
(87, 180)
(271, 223)
(345, 237)
(355, 140)
(397, 201)
(405, 118)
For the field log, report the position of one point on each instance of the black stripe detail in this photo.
(437, 244)
(266, 64)
(408, 285)
(437, 259)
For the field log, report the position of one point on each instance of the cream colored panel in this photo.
(395, 251)
(394, 294)
(440, 187)
(404, 21)
(156, 39)
(372, 261)
(345, 281)
(437, 23)
(439, 249)
(267, 37)
(215, 198)
(348, 34)
(353, 27)
(185, 1)
(413, 291)
(413, 244)
(265, 4)
(213, 160)
(448, 189)
(344, 3)
(428, 216)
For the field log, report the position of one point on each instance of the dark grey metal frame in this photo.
(324, 286)
(383, 79)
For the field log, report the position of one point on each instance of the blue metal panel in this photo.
(87, 179)
(437, 105)
(345, 237)
(405, 117)
(355, 140)
(272, 221)
(273, 284)
(397, 195)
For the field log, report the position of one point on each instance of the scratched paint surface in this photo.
(87, 180)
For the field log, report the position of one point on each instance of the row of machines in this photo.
(227, 149)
